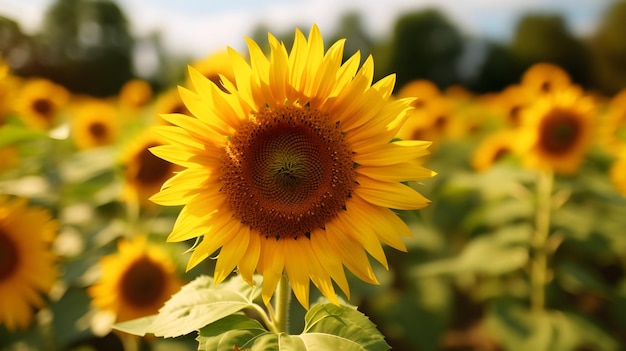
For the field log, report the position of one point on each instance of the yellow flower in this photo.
(144, 173)
(424, 91)
(294, 170)
(95, 123)
(9, 157)
(135, 94)
(492, 149)
(135, 281)
(617, 173)
(557, 130)
(8, 87)
(213, 66)
(40, 102)
(545, 78)
(27, 267)
(510, 103)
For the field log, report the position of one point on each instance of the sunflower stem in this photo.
(282, 299)
(539, 262)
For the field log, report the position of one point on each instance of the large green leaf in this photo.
(327, 327)
(228, 332)
(338, 327)
(196, 305)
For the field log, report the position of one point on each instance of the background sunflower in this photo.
(27, 264)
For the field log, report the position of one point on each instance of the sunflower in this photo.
(557, 130)
(545, 78)
(511, 102)
(135, 94)
(214, 65)
(293, 171)
(135, 281)
(424, 91)
(144, 173)
(39, 103)
(9, 157)
(493, 149)
(617, 173)
(94, 124)
(27, 269)
(8, 86)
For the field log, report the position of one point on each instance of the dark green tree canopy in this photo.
(425, 45)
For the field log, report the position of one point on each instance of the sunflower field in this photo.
(196, 215)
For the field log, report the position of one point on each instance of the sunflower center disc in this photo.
(152, 169)
(287, 171)
(143, 283)
(8, 256)
(559, 133)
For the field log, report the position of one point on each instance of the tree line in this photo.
(86, 45)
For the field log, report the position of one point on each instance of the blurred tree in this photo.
(499, 69)
(14, 44)
(545, 38)
(351, 27)
(608, 47)
(425, 45)
(84, 45)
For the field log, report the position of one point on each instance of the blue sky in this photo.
(199, 27)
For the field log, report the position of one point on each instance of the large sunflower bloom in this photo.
(556, 131)
(135, 281)
(27, 269)
(293, 169)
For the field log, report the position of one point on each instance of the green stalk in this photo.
(539, 261)
(281, 303)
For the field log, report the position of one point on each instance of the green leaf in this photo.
(228, 332)
(333, 327)
(198, 304)
(11, 134)
(139, 326)
(327, 327)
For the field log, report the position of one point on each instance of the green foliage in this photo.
(425, 45)
(328, 327)
(197, 304)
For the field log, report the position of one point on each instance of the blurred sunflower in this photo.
(8, 87)
(135, 281)
(557, 130)
(617, 173)
(213, 66)
(9, 157)
(492, 149)
(135, 94)
(39, 103)
(424, 91)
(545, 78)
(294, 170)
(144, 173)
(94, 123)
(27, 269)
(511, 102)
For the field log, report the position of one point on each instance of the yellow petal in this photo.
(231, 253)
(390, 195)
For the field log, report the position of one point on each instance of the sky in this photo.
(197, 28)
